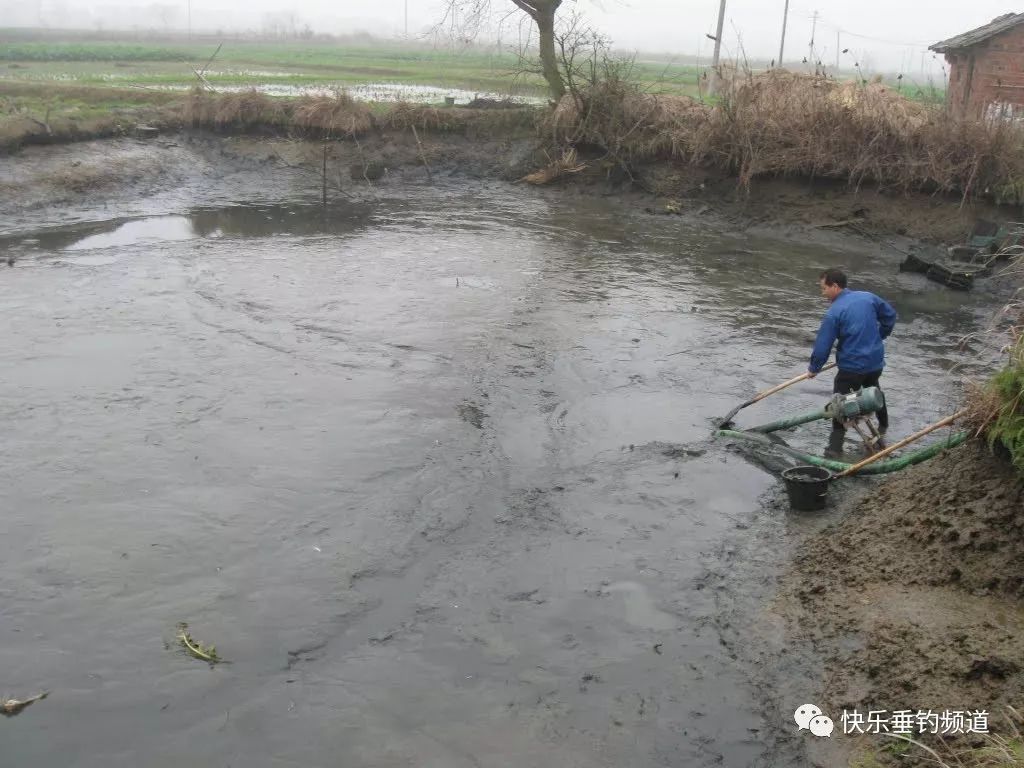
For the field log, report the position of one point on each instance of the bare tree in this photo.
(471, 15)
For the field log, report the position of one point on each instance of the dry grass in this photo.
(567, 163)
(629, 125)
(785, 123)
(342, 116)
(238, 111)
(1003, 747)
(18, 132)
(781, 123)
(338, 116)
(319, 117)
(470, 122)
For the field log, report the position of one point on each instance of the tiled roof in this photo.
(975, 36)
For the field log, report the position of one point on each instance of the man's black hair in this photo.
(834, 277)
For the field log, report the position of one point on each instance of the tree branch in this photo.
(530, 8)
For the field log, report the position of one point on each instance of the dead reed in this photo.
(1002, 748)
(461, 120)
(785, 124)
(247, 110)
(340, 115)
(319, 117)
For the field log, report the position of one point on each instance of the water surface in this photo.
(416, 465)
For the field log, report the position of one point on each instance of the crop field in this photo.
(298, 67)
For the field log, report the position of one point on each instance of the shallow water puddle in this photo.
(134, 232)
(225, 222)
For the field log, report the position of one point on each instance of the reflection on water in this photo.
(233, 221)
(133, 232)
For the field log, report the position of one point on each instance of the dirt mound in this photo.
(916, 599)
(958, 521)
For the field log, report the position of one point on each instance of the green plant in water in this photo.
(1010, 193)
(1000, 404)
(1008, 425)
(207, 653)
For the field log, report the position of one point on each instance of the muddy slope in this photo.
(914, 599)
(819, 210)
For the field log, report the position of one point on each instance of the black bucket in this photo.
(807, 487)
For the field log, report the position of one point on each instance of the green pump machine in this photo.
(807, 484)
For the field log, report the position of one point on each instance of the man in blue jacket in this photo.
(859, 321)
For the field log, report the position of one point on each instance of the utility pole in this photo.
(814, 27)
(713, 87)
(189, 14)
(406, 18)
(838, 49)
(782, 42)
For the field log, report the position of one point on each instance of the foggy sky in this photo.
(881, 34)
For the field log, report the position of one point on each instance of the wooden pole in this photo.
(766, 393)
(423, 155)
(779, 387)
(905, 441)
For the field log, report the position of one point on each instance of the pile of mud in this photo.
(916, 598)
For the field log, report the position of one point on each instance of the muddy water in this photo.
(429, 469)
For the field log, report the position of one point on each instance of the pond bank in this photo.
(913, 600)
(818, 211)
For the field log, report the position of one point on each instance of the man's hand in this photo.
(811, 374)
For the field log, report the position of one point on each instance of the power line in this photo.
(845, 31)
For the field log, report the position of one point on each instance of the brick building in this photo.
(986, 69)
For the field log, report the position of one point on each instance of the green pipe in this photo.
(864, 401)
(791, 421)
(878, 468)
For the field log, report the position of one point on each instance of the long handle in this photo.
(762, 395)
(779, 387)
(905, 441)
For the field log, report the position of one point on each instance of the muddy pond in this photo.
(430, 468)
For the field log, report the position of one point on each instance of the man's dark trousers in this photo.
(847, 381)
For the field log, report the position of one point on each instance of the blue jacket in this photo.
(859, 320)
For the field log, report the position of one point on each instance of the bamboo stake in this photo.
(208, 63)
(204, 80)
(423, 156)
(325, 176)
(905, 441)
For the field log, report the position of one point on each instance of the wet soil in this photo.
(822, 211)
(430, 464)
(915, 599)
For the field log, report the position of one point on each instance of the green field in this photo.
(302, 65)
